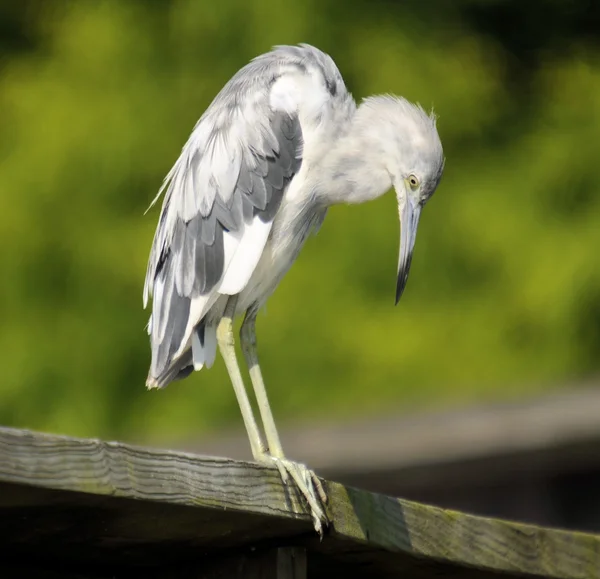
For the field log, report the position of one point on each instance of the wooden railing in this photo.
(87, 508)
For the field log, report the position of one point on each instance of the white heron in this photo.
(281, 142)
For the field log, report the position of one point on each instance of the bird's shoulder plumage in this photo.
(222, 194)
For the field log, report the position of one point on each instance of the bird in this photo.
(280, 144)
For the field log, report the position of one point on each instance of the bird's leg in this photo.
(248, 341)
(227, 347)
(306, 480)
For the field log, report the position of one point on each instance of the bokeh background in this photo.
(503, 301)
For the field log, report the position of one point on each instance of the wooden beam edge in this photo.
(375, 521)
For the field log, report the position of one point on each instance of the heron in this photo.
(282, 142)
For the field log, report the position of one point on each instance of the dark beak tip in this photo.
(403, 277)
(399, 290)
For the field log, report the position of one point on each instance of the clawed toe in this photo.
(319, 486)
(307, 483)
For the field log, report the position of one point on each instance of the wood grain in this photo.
(116, 469)
(120, 505)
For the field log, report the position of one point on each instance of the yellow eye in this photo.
(413, 182)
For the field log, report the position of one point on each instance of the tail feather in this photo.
(175, 319)
(202, 352)
(204, 345)
(179, 369)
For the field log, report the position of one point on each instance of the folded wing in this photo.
(220, 200)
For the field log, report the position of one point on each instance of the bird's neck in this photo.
(353, 171)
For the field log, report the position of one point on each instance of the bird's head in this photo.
(413, 157)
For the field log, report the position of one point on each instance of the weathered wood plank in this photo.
(126, 505)
(116, 469)
(394, 524)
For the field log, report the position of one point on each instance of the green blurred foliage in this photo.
(96, 99)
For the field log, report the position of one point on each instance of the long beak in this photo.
(409, 220)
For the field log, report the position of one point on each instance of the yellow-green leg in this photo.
(227, 347)
(306, 480)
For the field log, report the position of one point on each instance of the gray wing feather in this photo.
(186, 225)
(229, 172)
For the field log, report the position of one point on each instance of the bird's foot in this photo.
(308, 484)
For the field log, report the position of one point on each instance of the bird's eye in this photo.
(413, 182)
